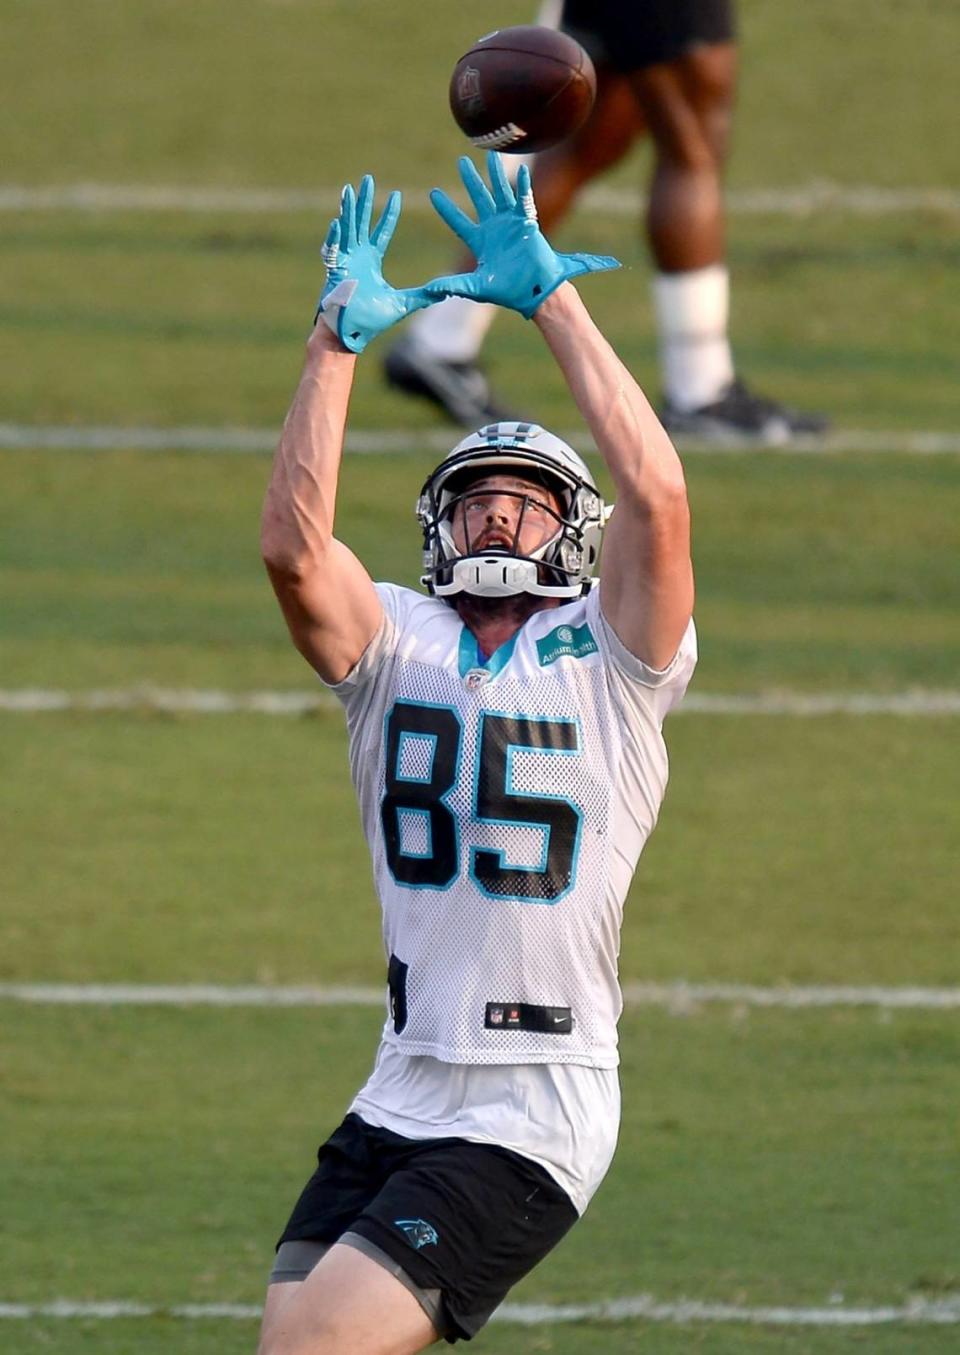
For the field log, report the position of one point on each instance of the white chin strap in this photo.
(499, 576)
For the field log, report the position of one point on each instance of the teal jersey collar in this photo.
(469, 656)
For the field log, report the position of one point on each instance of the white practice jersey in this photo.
(564, 1116)
(505, 805)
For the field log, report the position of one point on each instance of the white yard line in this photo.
(681, 996)
(798, 200)
(916, 1312)
(814, 704)
(37, 700)
(367, 441)
(676, 997)
(643, 1307)
(803, 705)
(187, 995)
(234, 441)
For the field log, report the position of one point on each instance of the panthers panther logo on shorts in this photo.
(419, 1232)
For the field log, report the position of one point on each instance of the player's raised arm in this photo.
(646, 577)
(326, 595)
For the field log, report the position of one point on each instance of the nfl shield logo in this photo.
(476, 677)
(468, 90)
(496, 1016)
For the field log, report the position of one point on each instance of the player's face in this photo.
(507, 513)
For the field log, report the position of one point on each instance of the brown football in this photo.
(522, 89)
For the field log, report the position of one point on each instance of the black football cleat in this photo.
(460, 389)
(742, 416)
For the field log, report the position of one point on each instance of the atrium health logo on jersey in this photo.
(573, 640)
(419, 1232)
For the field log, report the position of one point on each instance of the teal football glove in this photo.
(516, 266)
(357, 303)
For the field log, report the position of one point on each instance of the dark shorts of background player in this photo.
(628, 35)
(465, 1219)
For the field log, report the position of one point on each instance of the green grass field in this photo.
(769, 1158)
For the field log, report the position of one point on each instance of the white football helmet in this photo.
(562, 566)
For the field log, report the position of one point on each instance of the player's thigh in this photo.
(278, 1296)
(615, 122)
(709, 77)
(688, 103)
(347, 1304)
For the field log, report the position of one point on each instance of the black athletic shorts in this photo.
(631, 34)
(468, 1219)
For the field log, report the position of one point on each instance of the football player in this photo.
(506, 750)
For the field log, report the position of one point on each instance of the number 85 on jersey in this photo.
(424, 759)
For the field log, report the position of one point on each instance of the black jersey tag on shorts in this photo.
(524, 1016)
(397, 983)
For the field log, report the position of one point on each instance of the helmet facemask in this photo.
(560, 566)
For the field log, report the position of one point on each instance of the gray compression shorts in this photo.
(295, 1260)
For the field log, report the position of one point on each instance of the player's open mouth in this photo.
(495, 542)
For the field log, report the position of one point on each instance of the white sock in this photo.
(453, 330)
(692, 311)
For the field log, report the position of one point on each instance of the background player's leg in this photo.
(605, 138)
(348, 1303)
(688, 106)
